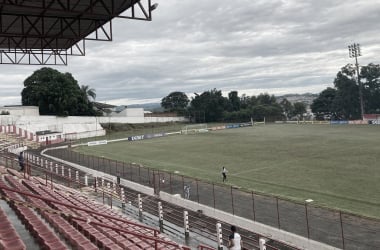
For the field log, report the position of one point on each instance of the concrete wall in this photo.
(72, 127)
(134, 112)
(21, 110)
(133, 120)
(42, 121)
(129, 112)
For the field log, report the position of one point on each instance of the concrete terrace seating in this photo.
(68, 219)
(9, 238)
(123, 239)
(40, 231)
(73, 236)
(89, 231)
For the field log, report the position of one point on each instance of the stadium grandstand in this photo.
(62, 218)
(56, 204)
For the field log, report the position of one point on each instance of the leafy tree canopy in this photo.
(324, 103)
(342, 101)
(211, 104)
(287, 108)
(55, 93)
(234, 102)
(175, 102)
(299, 109)
(88, 92)
(346, 101)
(370, 76)
(266, 99)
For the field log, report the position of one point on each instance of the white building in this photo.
(25, 121)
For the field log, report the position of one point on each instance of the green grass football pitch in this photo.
(337, 166)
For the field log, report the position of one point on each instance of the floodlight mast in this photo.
(354, 52)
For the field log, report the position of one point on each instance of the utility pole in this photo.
(354, 52)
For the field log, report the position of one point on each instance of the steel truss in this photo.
(30, 57)
(48, 31)
(41, 57)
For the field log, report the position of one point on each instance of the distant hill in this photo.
(153, 107)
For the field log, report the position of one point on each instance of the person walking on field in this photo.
(224, 174)
(234, 240)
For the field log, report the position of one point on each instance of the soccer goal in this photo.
(194, 128)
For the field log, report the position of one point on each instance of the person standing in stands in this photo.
(234, 240)
(224, 174)
(187, 191)
(21, 161)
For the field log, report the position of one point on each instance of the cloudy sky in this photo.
(252, 46)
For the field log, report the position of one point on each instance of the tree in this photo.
(342, 102)
(175, 102)
(247, 101)
(346, 103)
(234, 101)
(55, 93)
(370, 76)
(211, 104)
(287, 108)
(259, 112)
(266, 99)
(88, 92)
(324, 103)
(299, 109)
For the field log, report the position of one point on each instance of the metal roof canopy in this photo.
(46, 32)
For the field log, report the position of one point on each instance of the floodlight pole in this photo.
(354, 52)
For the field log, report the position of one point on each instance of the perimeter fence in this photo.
(333, 227)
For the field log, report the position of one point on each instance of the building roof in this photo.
(101, 106)
(47, 132)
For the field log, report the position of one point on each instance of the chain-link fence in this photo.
(333, 227)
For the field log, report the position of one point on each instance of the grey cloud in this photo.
(264, 45)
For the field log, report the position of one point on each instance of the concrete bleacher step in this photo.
(82, 199)
(147, 220)
(25, 236)
(173, 231)
(46, 236)
(42, 232)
